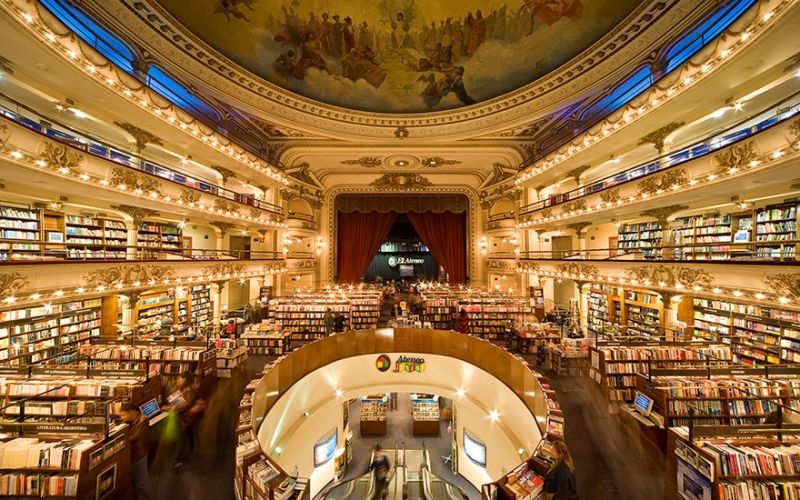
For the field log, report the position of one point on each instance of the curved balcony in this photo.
(301, 223)
(98, 172)
(502, 222)
(741, 150)
(31, 283)
(301, 262)
(508, 373)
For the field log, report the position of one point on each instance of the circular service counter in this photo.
(297, 423)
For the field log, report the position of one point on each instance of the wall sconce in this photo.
(482, 244)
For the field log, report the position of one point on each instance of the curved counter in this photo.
(300, 397)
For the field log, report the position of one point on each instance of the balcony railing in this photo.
(46, 126)
(740, 131)
(760, 252)
(59, 253)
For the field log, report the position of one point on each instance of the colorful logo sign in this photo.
(383, 363)
(403, 364)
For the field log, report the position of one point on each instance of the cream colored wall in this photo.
(203, 237)
(286, 427)
(597, 236)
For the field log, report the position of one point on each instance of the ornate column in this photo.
(222, 230)
(658, 137)
(224, 174)
(661, 215)
(137, 215)
(216, 300)
(580, 231)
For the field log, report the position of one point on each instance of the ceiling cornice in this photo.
(182, 53)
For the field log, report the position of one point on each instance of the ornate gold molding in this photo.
(226, 173)
(663, 182)
(528, 267)
(224, 269)
(574, 206)
(575, 173)
(138, 214)
(61, 157)
(661, 214)
(135, 180)
(224, 227)
(142, 137)
(226, 206)
(669, 276)
(579, 227)
(610, 195)
(10, 283)
(189, 196)
(365, 162)
(657, 137)
(437, 161)
(794, 130)
(784, 284)
(736, 157)
(579, 270)
(401, 182)
(499, 265)
(127, 276)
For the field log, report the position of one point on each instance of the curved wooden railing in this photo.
(499, 363)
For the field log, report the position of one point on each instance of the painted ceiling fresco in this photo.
(400, 56)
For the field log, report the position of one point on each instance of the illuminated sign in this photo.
(403, 364)
(395, 261)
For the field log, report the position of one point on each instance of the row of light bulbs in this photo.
(273, 221)
(142, 97)
(709, 178)
(739, 294)
(76, 292)
(657, 97)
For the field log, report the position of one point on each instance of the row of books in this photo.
(740, 460)
(142, 353)
(759, 489)
(31, 452)
(39, 484)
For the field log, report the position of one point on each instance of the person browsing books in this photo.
(380, 467)
(139, 439)
(559, 483)
(328, 321)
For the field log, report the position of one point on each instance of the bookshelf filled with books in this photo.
(48, 333)
(202, 308)
(642, 238)
(266, 338)
(724, 463)
(712, 229)
(756, 334)
(20, 233)
(365, 311)
(158, 237)
(727, 397)
(373, 415)
(776, 223)
(614, 365)
(439, 313)
(598, 311)
(304, 316)
(153, 310)
(95, 238)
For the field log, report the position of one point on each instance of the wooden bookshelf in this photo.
(713, 229)
(776, 223)
(756, 334)
(599, 314)
(304, 317)
(20, 232)
(158, 237)
(95, 238)
(614, 365)
(49, 332)
(640, 238)
(152, 309)
(202, 308)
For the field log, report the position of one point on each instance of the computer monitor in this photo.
(150, 408)
(642, 404)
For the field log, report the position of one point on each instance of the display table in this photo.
(373, 416)
(425, 416)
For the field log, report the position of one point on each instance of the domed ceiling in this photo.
(400, 56)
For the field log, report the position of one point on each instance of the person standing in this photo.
(559, 483)
(229, 330)
(327, 322)
(338, 322)
(139, 439)
(380, 467)
(462, 323)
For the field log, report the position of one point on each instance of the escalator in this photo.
(409, 478)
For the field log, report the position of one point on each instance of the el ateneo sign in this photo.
(403, 364)
(396, 261)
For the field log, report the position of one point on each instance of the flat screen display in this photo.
(150, 408)
(642, 403)
(406, 270)
(325, 448)
(474, 449)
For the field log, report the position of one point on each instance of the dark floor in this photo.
(609, 462)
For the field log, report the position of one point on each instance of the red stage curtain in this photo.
(445, 234)
(360, 238)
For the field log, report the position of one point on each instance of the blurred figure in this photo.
(559, 484)
(139, 439)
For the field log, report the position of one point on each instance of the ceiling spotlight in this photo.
(494, 415)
